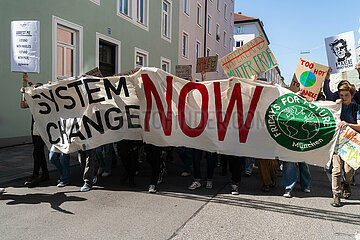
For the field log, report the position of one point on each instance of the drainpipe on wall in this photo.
(205, 27)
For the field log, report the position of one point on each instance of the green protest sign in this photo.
(254, 58)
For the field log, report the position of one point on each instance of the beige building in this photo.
(205, 29)
(247, 28)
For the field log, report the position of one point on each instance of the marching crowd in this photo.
(99, 161)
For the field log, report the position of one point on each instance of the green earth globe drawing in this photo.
(298, 123)
(307, 79)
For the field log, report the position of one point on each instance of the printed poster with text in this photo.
(25, 46)
(254, 58)
(341, 52)
(308, 78)
(348, 147)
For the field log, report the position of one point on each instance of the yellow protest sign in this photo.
(308, 78)
(254, 58)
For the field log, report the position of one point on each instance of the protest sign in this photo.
(206, 64)
(308, 78)
(348, 147)
(231, 117)
(341, 52)
(253, 58)
(183, 71)
(25, 46)
(129, 72)
(94, 72)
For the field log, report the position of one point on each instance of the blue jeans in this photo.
(249, 165)
(62, 164)
(290, 175)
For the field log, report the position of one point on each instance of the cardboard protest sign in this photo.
(253, 58)
(348, 147)
(183, 71)
(206, 64)
(94, 72)
(230, 116)
(308, 78)
(341, 52)
(129, 72)
(25, 46)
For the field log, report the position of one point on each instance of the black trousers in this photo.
(235, 164)
(153, 154)
(39, 156)
(128, 151)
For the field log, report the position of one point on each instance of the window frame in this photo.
(197, 49)
(186, 56)
(78, 53)
(113, 41)
(165, 60)
(169, 22)
(199, 14)
(141, 52)
(132, 17)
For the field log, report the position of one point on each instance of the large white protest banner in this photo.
(341, 52)
(25, 46)
(234, 116)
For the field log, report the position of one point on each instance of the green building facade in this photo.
(78, 35)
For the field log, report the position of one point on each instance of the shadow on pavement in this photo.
(55, 200)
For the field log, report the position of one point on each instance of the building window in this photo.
(124, 7)
(106, 45)
(240, 29)
(166, 18)
(217, 33)
(66, 49)
(186, 7)
(224, 39)
(239, 43)
(135, 11)
(208, 52)
(185, 45)
(197, 50)
(209, 24)
(165, 64)
(230, 44)
(225, 8)
(198, 15)
(141, 58)
(218, 5)
(140, 11)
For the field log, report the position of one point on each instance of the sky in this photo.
(293, 26)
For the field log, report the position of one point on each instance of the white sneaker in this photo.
(152, 189)
(105, 174)
(2, 190)
(62, 184)
(185, 174)
(194, 185)
(209, 184)
(100, 171)
(234, 189)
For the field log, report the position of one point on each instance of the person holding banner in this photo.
(333, 96)
(352, 119)
(87, 160)
(38, 152)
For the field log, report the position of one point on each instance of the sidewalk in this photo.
(17, 163)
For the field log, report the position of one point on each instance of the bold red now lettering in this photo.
(188, 131)
(222, 125)
(149, 88)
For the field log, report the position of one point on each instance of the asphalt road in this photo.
(113, 211)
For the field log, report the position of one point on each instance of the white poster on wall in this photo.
(25, 46)
(341, 52)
